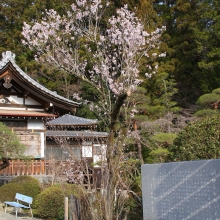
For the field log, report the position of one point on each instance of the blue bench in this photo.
(17, 205)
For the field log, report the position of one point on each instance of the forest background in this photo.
(175, 111)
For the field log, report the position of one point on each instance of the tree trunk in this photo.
(138, 141)
(140, 151)
(112, 161)
(5, 163)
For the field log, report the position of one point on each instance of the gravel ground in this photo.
(10, 215)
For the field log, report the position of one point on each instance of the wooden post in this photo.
(35, 167)
(22, 165)
(66, 208)
(32, 167)
(12, 167)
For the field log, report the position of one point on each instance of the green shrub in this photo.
(82, 197)
(50, 203)
(8, 191)
(164, 138)
(30, 184)
(24, 179)
(69, 189)
(200, 140)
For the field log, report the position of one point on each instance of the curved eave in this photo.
(37, 89)
(20, 113)
(71, 124)
(76, 134)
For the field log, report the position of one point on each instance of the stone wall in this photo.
(43, 179)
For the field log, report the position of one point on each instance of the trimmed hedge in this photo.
(50, 203)
(26, 185)
(69, 189)
(8, 191)
(30, 184)
(200, 140)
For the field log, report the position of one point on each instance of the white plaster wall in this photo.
(30, 101)
(38, 124)
(86, 151)
(36, 109)
(35, 146)
(35, 124)
(100, 157)
(9, 108)
(18, 100)
(15, 99)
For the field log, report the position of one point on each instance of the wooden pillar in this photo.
(12, 167)
(32, 167)
(22, 166)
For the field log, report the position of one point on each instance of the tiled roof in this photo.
(76, 134)
(71, 120)
(8, 56)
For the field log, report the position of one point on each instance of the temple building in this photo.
(43, 120)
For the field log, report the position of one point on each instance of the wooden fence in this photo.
(41, 167)
(24, 167)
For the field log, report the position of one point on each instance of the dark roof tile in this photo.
(68, 120)
(8, 56)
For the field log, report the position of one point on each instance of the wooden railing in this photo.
(24, 167)
(41, 167)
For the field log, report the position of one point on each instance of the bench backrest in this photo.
(24, 198)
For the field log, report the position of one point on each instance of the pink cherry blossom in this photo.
(115, 62)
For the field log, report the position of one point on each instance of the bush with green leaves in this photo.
(199, 140)
(206, 112)
(8, 191)
(50, 203)
(164, 139)
(30, 184)
(208, 104)
(69, 189)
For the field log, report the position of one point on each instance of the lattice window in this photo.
(61, 153)
(15, 123)
(87, 149)
(32, 142)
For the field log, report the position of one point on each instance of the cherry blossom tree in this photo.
(106, 56)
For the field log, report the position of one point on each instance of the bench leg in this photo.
(31, 213)
(5, 208)
(16, 212)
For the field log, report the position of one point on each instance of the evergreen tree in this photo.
(192, 36)
(12, 15)
(208, 44)
(10, 147)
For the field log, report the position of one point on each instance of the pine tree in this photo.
(193, 41)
